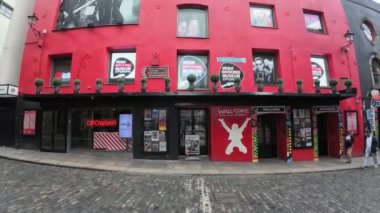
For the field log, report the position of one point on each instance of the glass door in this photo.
(193, 122)
(53, 131)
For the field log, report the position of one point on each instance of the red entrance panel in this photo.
(231, 134)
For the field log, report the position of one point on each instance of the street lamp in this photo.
(32, 20)
(349, 36)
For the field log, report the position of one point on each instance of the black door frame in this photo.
(53, 124)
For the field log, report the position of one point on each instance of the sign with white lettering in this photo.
(125, 125)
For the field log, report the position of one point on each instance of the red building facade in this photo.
(252, 41)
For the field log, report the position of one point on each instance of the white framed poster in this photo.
(123, 65)
(192, 145)
(319, 69)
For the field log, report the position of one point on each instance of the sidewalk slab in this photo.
(124, 162)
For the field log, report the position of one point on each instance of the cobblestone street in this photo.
(28, 187)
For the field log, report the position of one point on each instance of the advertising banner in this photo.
(192, 145)
(123, 65)
(318, 69)
(29, 126)
(195, 65)
(228, 74)
(231, 135)
(125, 125)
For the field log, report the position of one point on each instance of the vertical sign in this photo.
(29, 126)
(125, 125)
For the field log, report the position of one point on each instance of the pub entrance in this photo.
(54, 128)
(194, 122)
(267, 135)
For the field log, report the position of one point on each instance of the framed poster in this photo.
(265, 67)
(302, 128)
(351, 121)
(196, 65)
(29, 124)
(319, 70)
(122, 65)
(155, 131)
(192, 145)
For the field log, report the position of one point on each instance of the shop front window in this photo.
(155, 131)
(107, 130)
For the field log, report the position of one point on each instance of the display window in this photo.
(155, 131)
(302, 128)
(103, 129)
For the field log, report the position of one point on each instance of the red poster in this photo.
(231, 134)
(29, 126)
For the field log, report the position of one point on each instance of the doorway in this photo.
(322, 134)
(54, 128)
(267, 135)
(194, 122)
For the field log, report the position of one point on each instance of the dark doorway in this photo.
(194, 122)
(322, 134)
(267, 135)
(54, 131)
(7, 116)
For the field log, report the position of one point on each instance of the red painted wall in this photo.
(333, 135)
(229, 143)
(281, 137)
(230, 35)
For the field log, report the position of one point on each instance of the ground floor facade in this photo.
(243, 127)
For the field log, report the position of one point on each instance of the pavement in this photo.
(124, 162)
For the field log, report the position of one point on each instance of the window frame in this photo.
(196, 55)
(110, 64)
(326, 67)
(263, 55)
(323, 29)
(6, 10)
(371, 27)
(374, 58)
(268, 7)
(198, 8)
(52, 72)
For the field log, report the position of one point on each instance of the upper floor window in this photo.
(262, 16)
(314, 22)
(369, 31)
(87, 13)
(192, 23)
(62, 69)
(5, 9)
(265, 67)
(122, 65)
(320, 70)
(376, 72)
(196, 65)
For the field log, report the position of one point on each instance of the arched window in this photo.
(375, 65)
(369, 31)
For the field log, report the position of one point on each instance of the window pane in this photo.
(313, 22)
(62, 70)
(320, 70)
(196, 65)
(123, 65)
(192, 23)
(262, 17)
(264, 67)
(376, 72)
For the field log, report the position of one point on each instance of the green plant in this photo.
(56, 82)
(237, 80)
(316, 81)
(191, 78)
(279, 81)
(347, 83)
(333, 82)
(38, 82)
(143, 80)
(259, 81)
(167, 80)
(214, 78)
(99, 81)
(120, 80)
(299, 81)
(76, 82)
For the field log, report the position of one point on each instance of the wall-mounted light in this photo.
(349, 36)
(32, 20)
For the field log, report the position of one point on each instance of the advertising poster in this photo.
(123, 65)
(231, 134)
(196, 65)
(29, 126)
(302, 128)
(192, 145)
(352, 122)
(318, 69)
(125, 125)
(84, 13)
(264, 68)
(228, 74)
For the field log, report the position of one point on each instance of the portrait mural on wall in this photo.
(264, 67)
(82, 13)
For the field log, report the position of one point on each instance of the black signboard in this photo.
(228, 74)
(270, 109)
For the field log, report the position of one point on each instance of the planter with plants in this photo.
(214, 79)
(120, 82)
(347, 83)
(317, 86)
(143, 84)
(38, 82)
(76, 86)
(237, 84)
(333, 84)
(167, 84)
(280, 85)
(299, 85)
(259, 82)
(99, 84)
(56, 82)
(191, 79)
